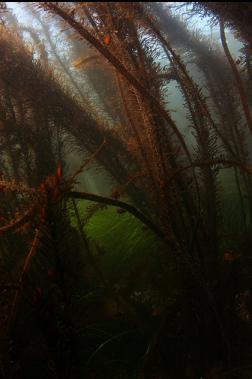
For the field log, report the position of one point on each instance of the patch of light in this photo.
(23, 16)
(204, 25)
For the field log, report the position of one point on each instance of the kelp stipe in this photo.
(130, 54)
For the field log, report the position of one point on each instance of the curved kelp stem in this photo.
(120, 204)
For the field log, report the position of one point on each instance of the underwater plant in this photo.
(149, 277)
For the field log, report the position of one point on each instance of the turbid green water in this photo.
(122, 239)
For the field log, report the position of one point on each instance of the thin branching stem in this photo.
(119, 66)
(239, 83)
(120, 204)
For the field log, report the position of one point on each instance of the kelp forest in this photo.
(126, 190)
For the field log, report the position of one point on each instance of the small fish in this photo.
(107, 39)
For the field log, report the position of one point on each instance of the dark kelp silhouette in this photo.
(128, 54)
